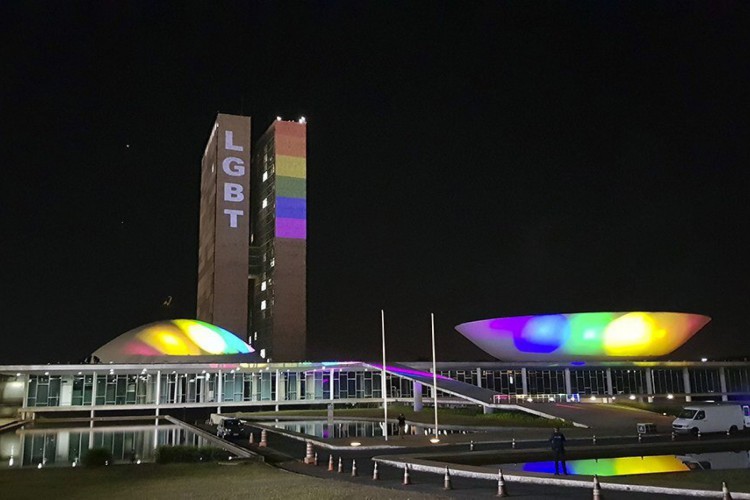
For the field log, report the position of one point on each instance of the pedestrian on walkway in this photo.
(401, 425)
(557, 443)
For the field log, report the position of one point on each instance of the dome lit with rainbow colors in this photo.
(177, 340)
(583, 336)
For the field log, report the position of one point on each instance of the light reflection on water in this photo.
(351, 428)
(623, 466)
(43, 447)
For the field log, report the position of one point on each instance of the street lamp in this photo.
(434, 380)
(382, 379)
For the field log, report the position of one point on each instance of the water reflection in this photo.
(43, 447)
(717, 460)
(350, 428)
(622, 466)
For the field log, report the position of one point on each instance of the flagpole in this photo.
(434, 375)
(382, 379)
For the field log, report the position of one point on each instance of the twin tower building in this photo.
(253, 235)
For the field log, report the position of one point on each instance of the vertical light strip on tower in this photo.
(291, 180)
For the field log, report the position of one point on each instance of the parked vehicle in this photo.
(709, 418)
(230, 427)
(720, 460)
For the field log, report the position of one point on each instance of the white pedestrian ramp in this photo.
(461, 390)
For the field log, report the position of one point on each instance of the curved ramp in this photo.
(462, 390)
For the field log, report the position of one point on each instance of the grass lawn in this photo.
(446, 416)
(194, 481)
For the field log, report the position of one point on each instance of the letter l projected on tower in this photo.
(235, 167)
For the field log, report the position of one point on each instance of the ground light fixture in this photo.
(434, 440)
(355, 443)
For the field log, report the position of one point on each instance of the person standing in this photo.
(401, 425)
(557, 443)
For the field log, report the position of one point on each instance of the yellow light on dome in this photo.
(169, 340)
(629, 335)
(207, 339)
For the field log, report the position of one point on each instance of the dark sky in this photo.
(471, 159)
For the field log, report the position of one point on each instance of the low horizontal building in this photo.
(182, 364)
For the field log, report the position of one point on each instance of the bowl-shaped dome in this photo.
(175, 341)
(581, 336)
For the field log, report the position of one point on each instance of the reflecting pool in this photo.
(623, 466)
(37, 446)
(352, 428)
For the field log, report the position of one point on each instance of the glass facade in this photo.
(668, 381)
(362, 382)
(186, 388)
(738, 380)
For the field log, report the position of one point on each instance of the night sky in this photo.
(471, 159)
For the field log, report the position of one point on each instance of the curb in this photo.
(572, 483)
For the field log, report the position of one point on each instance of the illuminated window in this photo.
(263, 305)
(273, 262)
(265, 203)
(263, 286)
(265, 176)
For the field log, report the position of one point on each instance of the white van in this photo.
(709, 418)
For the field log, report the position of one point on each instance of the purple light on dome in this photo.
(507, 326)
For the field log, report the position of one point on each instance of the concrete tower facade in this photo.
(278, 242)
(224, 232)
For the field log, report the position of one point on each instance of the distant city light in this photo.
(704, 359)
(278, 118)
(302, 119)
(670, 396)
(632, 397)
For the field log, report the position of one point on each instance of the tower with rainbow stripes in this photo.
(277, 290)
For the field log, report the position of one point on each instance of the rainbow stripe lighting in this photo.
(291, 180)
(582, 336)
(622, 466)
(183, 337)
